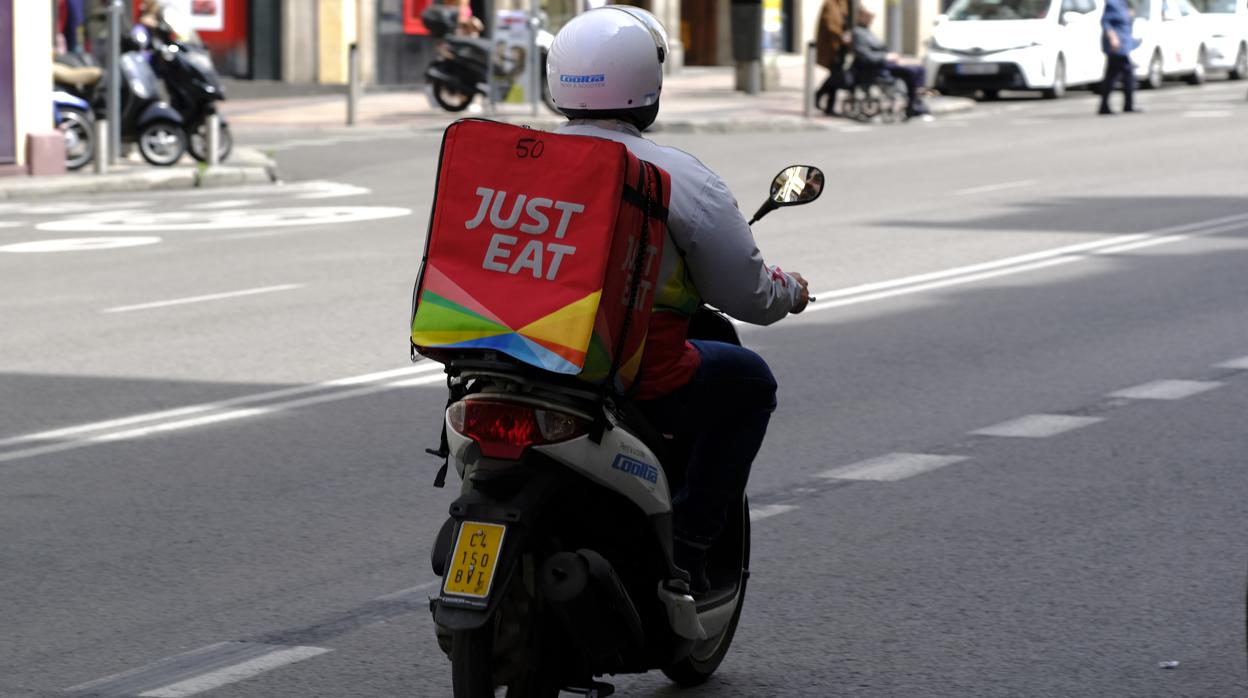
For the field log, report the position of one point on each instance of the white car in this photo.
(1170, 36)
(1226, 35)
(994, 45)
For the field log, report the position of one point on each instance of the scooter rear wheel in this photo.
(162, 143)
(449, 98)
(199, 142)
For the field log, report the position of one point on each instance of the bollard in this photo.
(808, 102)
(213, 126)
(113, 96)
(353, 83)
(101, 146)
(534, 65)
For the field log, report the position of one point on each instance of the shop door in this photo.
(8, 132)
(699, 31)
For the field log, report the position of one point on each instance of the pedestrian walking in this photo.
(830, 39)
(1117, 43)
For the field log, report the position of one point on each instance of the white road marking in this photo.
(234, 219)
(891, 467)
(227, 203)
(1240, 363)
(79, 244)
(1207, 114)
(204, 298)
(215, 679)
(191, 423)
(410, 591)
(1037, 426)
(1166, 390)
(995, 187)
(421, 370)
(1022, 263)
(854, 129)
(769, 510)
(10, 224)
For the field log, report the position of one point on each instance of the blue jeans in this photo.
(724, 410)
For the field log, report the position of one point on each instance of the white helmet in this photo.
(609, 59)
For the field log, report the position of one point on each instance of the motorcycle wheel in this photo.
(79, 134)
(709, 654)
(516, 651)
(449, 98)
(162, 143)
(199, 142)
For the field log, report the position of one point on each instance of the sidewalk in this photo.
(697, 99)
(244, 166)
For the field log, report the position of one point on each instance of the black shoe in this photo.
(1105, 110)
(1132, 110)
(691, 558)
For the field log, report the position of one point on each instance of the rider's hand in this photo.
(803, 297)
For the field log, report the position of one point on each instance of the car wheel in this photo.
(1200, 71)
(1059, 80)
(990, 95)
(1240, 71)
(1155, 72)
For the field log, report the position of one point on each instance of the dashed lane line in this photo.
(769, 510)
(1037, 426)
(196, 671)
(891, 467)
(1241, 363)
(204, 298)
(1166, 390)
(1002, 186)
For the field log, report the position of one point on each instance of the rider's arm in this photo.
(727, 267)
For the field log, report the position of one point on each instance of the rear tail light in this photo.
(504, 429)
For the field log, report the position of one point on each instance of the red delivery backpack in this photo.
(533, 252)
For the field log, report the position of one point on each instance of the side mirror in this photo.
(795, 185)
(940, 19)
(1070, 17)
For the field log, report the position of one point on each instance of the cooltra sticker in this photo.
(584, 80)
(636, 468)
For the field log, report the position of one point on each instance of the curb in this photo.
(258, 169)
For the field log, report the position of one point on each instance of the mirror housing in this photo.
(794, 186)
(1070, 17)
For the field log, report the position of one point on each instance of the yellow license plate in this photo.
(476, 559)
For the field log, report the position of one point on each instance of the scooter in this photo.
(72, 116)
(191, 79)
(556, 560)
(462, 67)
(146, 120)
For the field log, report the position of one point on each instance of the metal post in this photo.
(213, 126)
(491, 107)
(808, 102)
(894, 26)
(353, 83)
(113, 103)
(535, 80)
(101, 146)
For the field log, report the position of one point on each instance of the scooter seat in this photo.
(82, 77)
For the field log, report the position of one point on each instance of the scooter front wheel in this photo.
(708, 654)
(199, 142)
(162, 143)
(79, 134)
(450, 98)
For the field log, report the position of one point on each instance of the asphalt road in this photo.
(1009, 458)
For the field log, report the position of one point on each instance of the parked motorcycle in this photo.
(72, 116)
(146, 120)
(191, 79)
(556, 561)
(460, 71)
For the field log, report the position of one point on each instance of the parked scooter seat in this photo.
(81, 77)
